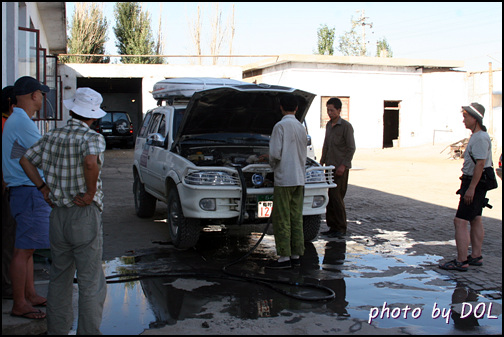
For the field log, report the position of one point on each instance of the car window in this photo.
(107, 117)
(162, 126)
(119, 116)
(153, 125)
(106, 121)
(145, 125)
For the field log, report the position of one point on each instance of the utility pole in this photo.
(490, 89)
(363, 23)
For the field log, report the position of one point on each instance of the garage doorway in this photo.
(391, 123)
(119, 94)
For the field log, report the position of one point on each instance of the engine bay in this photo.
(230, 156)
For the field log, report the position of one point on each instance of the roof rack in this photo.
(185, 87)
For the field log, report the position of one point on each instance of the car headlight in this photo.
(211, 178)
(318, 201)
(208, 204)
(315, 176)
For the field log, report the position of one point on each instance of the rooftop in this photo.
(357, 60)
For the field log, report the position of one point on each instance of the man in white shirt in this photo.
(287, 157)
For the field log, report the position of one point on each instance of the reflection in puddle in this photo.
(126, 310)
(367, 274)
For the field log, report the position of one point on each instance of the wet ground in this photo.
(383, 275)
(375, 282)
(400, 206)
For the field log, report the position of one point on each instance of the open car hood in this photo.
(248, 109)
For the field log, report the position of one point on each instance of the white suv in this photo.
(205, 154)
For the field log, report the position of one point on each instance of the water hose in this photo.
(230, 276)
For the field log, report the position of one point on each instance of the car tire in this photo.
(122, 126)
(145, 204)
(184, 232)
(311, 226)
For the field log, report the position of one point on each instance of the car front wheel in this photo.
(311, 226)
(184, 232)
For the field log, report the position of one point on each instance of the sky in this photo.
(460, 31)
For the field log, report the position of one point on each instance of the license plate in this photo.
(106, 131)
(264, 206)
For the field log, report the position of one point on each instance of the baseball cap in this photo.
(86, 103)
(27, 84)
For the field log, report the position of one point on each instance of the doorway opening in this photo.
(119, 94)
(391, 123)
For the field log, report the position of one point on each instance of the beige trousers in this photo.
(76, 238)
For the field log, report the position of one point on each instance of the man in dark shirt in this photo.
(338, 150)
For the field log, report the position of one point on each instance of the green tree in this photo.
(133, 34)
(383, 49)
(88, 34)
(325, 36)
(350, 43)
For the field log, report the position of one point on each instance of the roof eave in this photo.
(353, 60)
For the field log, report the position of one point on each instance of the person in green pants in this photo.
(287, 157)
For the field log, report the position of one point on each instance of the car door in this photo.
(157, 158)
(140, 150)
(148, 149)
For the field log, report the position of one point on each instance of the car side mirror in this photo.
(156, 139)
(308, 138)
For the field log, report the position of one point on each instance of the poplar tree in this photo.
(325, 43)
(88, 34)
(383, 49)
(133, 34)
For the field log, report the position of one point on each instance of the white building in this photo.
(389, 101)
(33, 33)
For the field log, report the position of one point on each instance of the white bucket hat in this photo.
(86, 103)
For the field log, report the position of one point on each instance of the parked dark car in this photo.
(117, 128)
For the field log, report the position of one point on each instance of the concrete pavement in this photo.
(22, 326)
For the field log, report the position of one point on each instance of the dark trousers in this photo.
(335, 212)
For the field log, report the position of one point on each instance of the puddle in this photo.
(370, 276)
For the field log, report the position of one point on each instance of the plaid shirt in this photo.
(60, 154)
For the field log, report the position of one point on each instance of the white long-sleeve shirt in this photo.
(287, 152)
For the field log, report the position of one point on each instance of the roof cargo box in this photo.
(185, 87)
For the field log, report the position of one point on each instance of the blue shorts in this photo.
(31, 213)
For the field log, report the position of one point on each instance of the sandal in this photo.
(454, 265)
(475, 261)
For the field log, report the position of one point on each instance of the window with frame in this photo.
(162, 126)
(28, 54)
(154, 124)
(345, 109)
(33, 61)
(145, 124)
